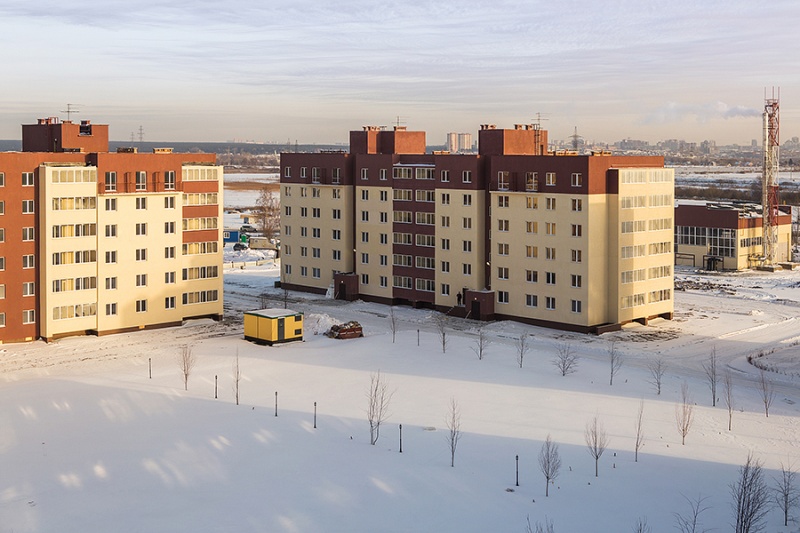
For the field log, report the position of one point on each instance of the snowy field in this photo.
(89, 442)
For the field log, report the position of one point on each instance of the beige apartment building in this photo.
(110, 242)
(579, 242)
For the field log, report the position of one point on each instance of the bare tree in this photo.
(639, 442)
(440, 323)
(684, 413)
(596, 441)
(269, 213)
(750, 497)
(237, 377)
(640, 526)
(392, 323)
(522, 347)
(453, 422)
(767, 391)
(615, 359)
(549, 463)
(712, 376)
(786, 493)
(690, 522)
(727, 386)
(566, 360)
(186, 361)
(657, 368)
(481, 343)
(547, 527)
(379, 397)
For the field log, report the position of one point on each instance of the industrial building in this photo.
(727, 235)
(577, 242)
(93, 242)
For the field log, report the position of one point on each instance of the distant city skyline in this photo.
(307, 71)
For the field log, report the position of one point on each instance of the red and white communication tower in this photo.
(769, 201)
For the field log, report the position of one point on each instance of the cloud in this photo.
(675, 112)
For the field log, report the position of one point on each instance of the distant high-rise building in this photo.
(459, 142)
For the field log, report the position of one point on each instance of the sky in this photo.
(310, 71)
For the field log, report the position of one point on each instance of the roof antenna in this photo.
(70, 110)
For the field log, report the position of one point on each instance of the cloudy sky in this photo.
(311, 70)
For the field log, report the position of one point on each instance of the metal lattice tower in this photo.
(769, 196)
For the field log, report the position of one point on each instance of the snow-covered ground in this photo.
(89, 442)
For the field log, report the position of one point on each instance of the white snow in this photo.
(90, 443)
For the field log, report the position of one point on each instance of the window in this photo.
(111, 230)
(466, 176)
(425, 240)
(141, 306)
(531, 181)
(401, 282)
(27, 179)
(550, 253)
(502, 297)
(577, 230)
(169, 277)
(401, 260)
(336, 234)
(466, 223)
(111, 309)
(502, 200)
(383, 281)
(550, 179)
(141, 180)
(336, 194)
(364, 174)
(577, 256)
(577, 204)
(28, 261)
(364, 216)
(28, 288)
(2, 179)
(111, 181)
(531, 300)
(502, 272)
(467, 199)
(502, 225)
(141, 254)
(425, 196)
(384, 260)
(445, 266)
(364, 236)
(2, 263)
(445, 289)
(287, 172)
(531, 251)
(466, 269)
(141, 228)
(336, 214)
(302, 172)
(384, 238)
(169, 227)
(29, 315)
(550, 204)
(365, 194)
(445, 244)
(426, 219)
(576, 281)
(502, 181)
(576, 304)
(466, 246)
(315, 174)
(111, 257)
(550, 228)
(402, 195)
(111, 204)
(550, 278)
(577, 181)
(550, 303)
(531, 202)
(445, 176)
(169, 302)
(2, 292)
(401, 173)
(303, 212)
(169, 252)
(111, 284)
(532, 276)
(337, 255)
(27, 207)
(365, 279)
(445, 221)
(2, 207)
(141, 280)
(424, 174)
(303, 192)
(141, 203)
(364, 259)
(315, 212)
(28, 234)
(531, 226)
(502, 248)
(445, 198)
(2, 320)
